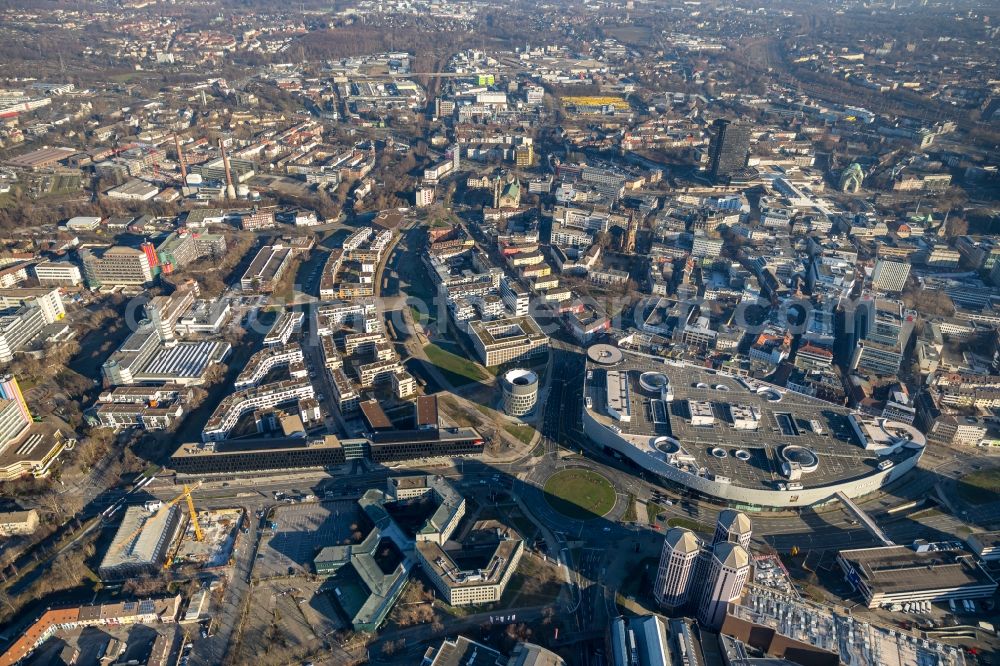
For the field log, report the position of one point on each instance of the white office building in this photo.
(728, 570)
(678, 561)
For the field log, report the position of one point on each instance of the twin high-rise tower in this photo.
(706, 577)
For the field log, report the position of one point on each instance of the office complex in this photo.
(182, 247)
(678, 561)
(116, 267)
(63, 273)
(13, 422)
(729, 148)
(474, 568)
(727, 573)
(520, 391)
(47, 299)
(154, 354)
(18, 329)
(494, 547)
(11, 391)
(734, 527)
(508, 340)
(366, 591)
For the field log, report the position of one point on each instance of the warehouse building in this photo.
(134, 190)
(266, 269)
(141, 542)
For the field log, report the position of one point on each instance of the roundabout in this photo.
(579, 494)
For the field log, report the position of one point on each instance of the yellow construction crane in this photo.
(198, 535)
(185, 495)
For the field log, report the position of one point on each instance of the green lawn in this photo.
(630, 516)
(65, 184)
(687, 523)
(456, 369)
(652, 511)
(980, 487)
(533, 584)
(523, 433)
(580, 494)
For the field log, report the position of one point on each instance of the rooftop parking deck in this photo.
(719, 426)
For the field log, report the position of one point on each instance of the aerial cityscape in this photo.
(456, 333)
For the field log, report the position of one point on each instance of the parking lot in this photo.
(301, 531)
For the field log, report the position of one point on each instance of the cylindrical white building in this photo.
(520, 391)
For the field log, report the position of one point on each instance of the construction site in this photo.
(159, 535)
(218, 529)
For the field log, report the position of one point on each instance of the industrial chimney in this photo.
(230, 190)
(180, 160)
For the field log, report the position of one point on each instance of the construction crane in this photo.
(185, 495)
(198, 535)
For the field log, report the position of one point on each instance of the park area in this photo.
(980, 487)
(580, 494)
(456, 369)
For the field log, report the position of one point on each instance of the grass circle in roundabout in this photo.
(579, 494)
